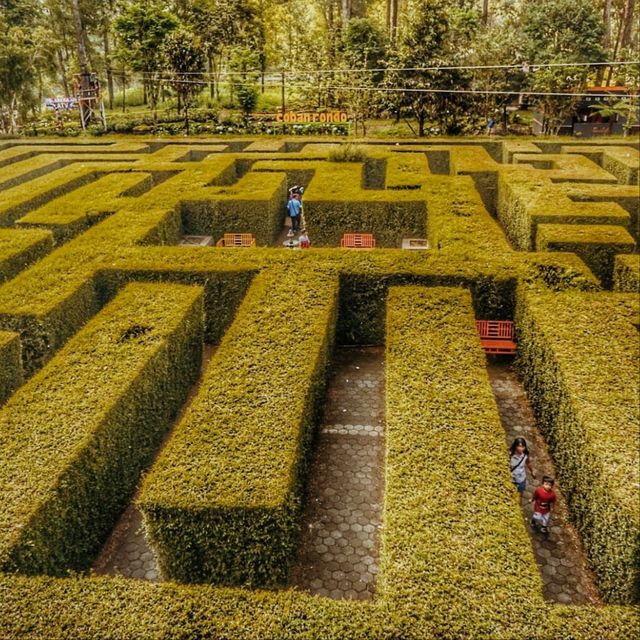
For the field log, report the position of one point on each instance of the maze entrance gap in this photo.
(338, 551)
(128, 552)
(565, 573)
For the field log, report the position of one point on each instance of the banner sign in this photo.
(300, 116)
(61, 103)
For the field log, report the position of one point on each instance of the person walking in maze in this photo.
(294, 207)
(519, 462)
(544, 499)
(305, 243)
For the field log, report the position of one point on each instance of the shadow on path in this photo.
(566, 576)
(338, 552)
(127, 552)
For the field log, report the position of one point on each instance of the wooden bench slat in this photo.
(237, 240)
(496, 336)
(358, 241)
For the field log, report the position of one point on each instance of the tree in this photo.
(432, 39)
(247, 93)
(24, 46)
(624, 108)
(362, 53)
(142, 28)
(185, 59)
(552, 38)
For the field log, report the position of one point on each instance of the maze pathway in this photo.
(566, 576)
(127, 552)
(338, 554)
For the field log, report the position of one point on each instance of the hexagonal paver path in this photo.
(127, 552)
(566, 576)
(338, 553)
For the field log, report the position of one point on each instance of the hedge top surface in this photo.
(594, 337)
(43, 425)
(239, 400)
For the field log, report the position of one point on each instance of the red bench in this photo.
(496, 336)
(237, 240)
(358, 241)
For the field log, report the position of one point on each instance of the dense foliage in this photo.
(369, 57)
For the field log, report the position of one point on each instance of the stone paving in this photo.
(566, 576)
(338, 553)
(127, 552)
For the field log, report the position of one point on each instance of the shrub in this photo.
(223, 499)
(77, 435)
(348, 153)
(579, 360)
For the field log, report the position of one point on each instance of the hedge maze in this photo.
(103, 317)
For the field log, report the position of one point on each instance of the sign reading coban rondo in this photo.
(299, 116)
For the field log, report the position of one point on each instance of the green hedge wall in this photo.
(21, 247)
(222, 502)
(596, 244)
(445, 446)
(76, 436)
(444, 441)
(257, 207)
(626, 273)
(579, 361)
(10, 364)
(74, 212)
(224, 288)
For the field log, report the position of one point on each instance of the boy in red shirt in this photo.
(543, 498)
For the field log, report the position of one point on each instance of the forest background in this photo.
(207, 66)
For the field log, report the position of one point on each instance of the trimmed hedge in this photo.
(579, 361)
(256, 204)
(621, 162)
(445, 442)
(72, 213)
(10, 364)
(76, 436)
(68, 175)
(336, 203)
(597, 245)
(53, 299)
(221, 503)
(21, 247)
(525, 199)
(565, 167)
(626, 273)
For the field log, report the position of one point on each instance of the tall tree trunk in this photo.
(82, 51)
(485, 12)
(393, 23)
(615, 50)
(421, 120)
(63, 73)
(210, 72)
(628, 24)
(107, 63)
(346, 12)
(606, 39)
(124, 88)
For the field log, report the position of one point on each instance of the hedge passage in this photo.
(579, 359)
(102, 319)
(76, 436)
(222, 501)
